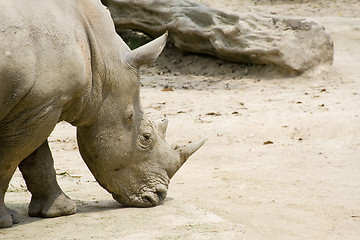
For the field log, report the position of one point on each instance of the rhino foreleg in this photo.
(48, 200)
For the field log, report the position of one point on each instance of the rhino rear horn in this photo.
(161, 124)
(147, 53)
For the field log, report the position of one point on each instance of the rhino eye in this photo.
(147, 136)
(129, 115)
(145, 140)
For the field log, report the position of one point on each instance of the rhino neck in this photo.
(102, 53)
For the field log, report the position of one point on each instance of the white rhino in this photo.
(63, 61)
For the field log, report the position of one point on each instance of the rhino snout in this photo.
(144, 199)
(153, 199)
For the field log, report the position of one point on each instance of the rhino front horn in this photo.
(185, 152)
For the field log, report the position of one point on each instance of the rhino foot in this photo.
(8, 217)
(54, 206)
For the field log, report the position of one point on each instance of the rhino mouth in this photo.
(145, 199)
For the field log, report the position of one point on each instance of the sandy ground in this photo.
(304, 184)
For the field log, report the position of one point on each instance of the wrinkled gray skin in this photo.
(63, 61)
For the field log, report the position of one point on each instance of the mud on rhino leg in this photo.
(48, 200)
(8, 217)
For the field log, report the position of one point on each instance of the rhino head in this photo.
(125, 151)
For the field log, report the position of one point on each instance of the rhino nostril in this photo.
(156, 197)
(161, 193)
(148, 199)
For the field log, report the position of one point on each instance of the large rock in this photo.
(247, 37)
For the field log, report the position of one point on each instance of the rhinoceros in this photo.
(63, 61)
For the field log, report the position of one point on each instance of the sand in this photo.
(282, 160)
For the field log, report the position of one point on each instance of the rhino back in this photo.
(44, 55)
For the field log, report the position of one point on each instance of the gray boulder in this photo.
(245, 37)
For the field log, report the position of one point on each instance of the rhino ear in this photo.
(147, 53)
